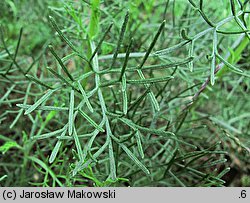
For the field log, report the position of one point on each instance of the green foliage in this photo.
(124, 93)
(7, 146)
(94, 19)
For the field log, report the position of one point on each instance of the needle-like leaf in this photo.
(152, 44)
(57, 147)
(121, 35)
(85, 97)
(124, 95)
(63, 79)
(229, 65)
(61, 63)
(78, 146)
(48, 135)
(39, 102)
(16, 51)
(62, 36)
(44, 108)
(134, 159)
(100, 42)
(112, 161)
(151, 95)
(139, 144)
(126, 59)
(93, 123)
(39, 82)
(71, 111)
(150, 80)
(213, 61)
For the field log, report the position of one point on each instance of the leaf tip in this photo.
(26, 113)
(50, 161)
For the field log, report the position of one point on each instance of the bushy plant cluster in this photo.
(125, 93)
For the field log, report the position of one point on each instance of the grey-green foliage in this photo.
(130, 112)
